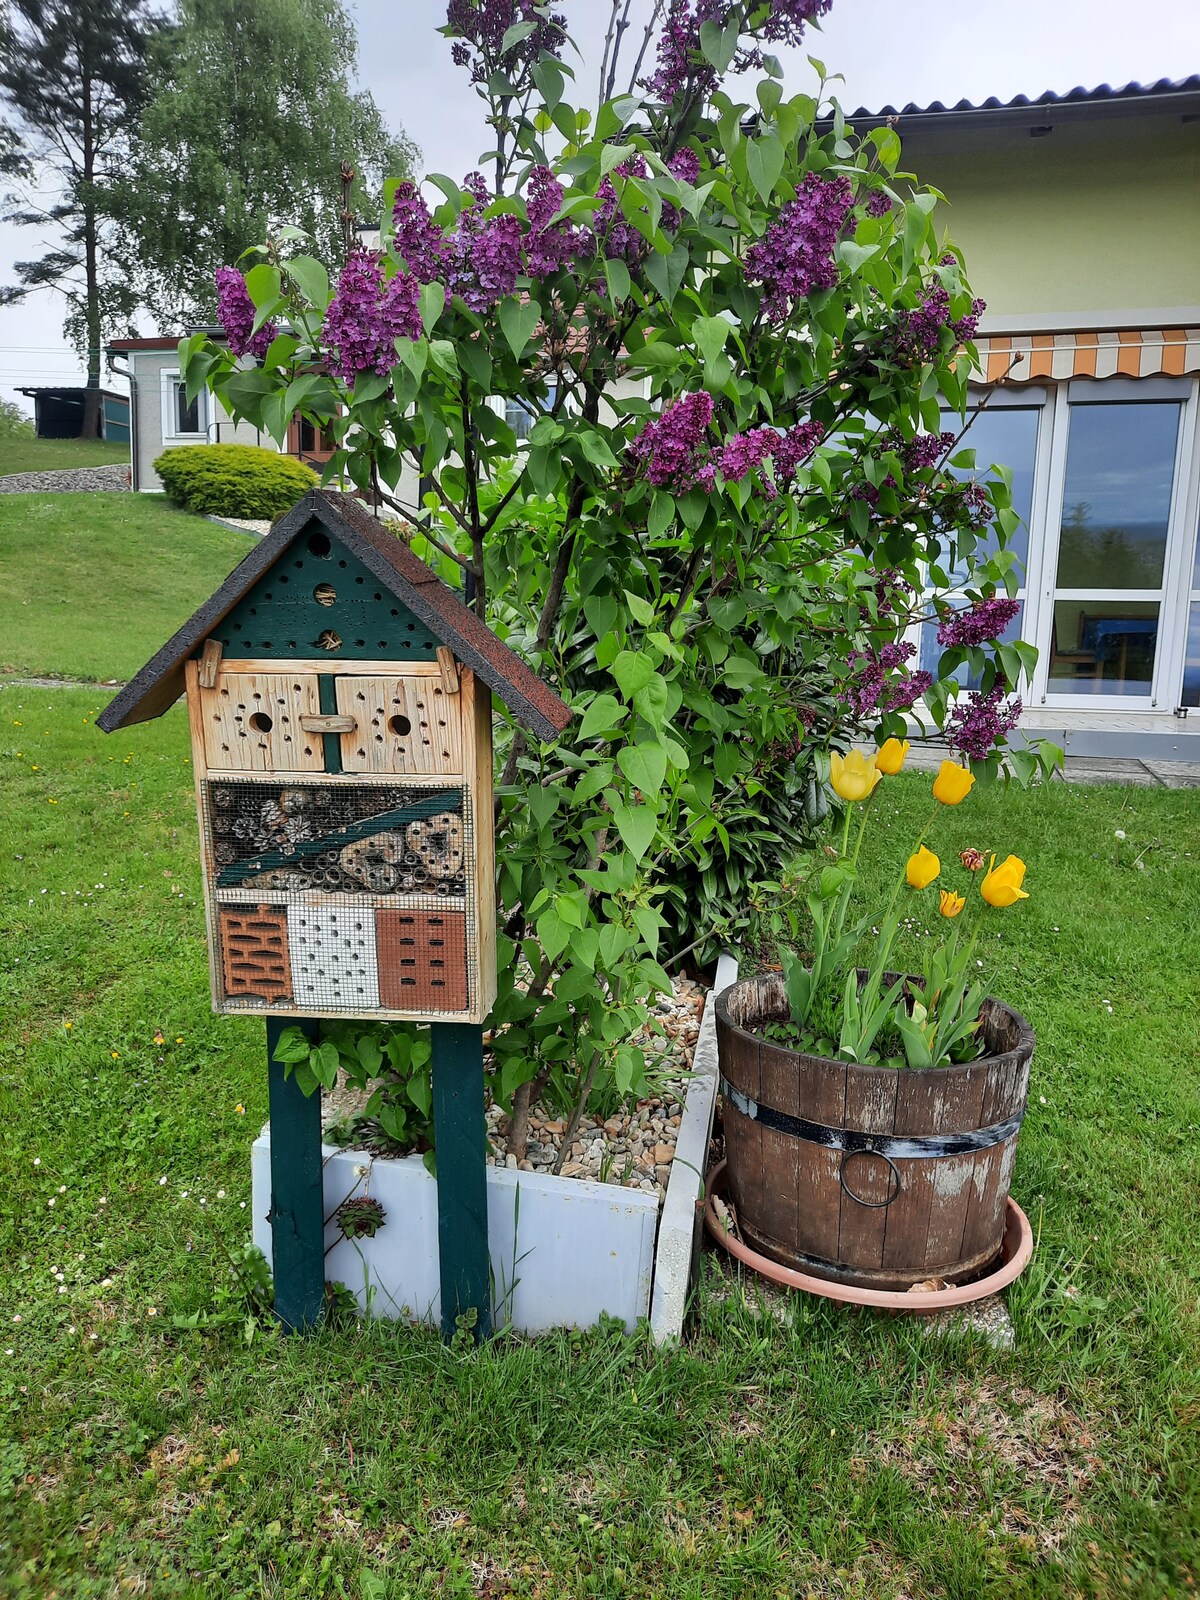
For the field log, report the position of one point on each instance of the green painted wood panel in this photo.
(461, 1137)
(281, 616)
(297, 1200)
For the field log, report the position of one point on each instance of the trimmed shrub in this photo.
(233, 480)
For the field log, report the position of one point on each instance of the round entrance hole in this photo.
(261, 722)
(324, 594)
(318, 544)
(400, 726)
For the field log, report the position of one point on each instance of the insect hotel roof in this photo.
(436, 615)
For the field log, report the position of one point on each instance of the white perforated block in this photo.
(333, 958)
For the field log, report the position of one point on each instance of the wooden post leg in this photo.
(461, 1134)
(297, 1200)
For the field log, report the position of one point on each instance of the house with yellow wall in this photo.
(1079, 219)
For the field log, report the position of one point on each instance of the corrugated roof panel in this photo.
(1077, 96)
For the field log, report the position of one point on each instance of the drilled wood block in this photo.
(422, 960)
(333, 958)
(251, 723)
(402, 725)
(254, 953)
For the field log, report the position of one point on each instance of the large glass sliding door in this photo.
(1107, 545)
(1106, 482)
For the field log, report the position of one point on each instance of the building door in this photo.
(1113, 525)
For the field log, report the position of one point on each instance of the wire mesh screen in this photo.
(340, 899)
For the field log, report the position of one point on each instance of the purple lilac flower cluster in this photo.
(417, 236)
(479, 26)
(672, 450)
(795, 255)
(984, 621)
(977, 724)
(367, 315)
(976, 506)
(923, 450)
(680, 64)
(748, 452)
(918, 333)
(870, 689)
(549, 245)
(745, 453)
(794, 448)
(889, 585)
(618, 237)
(879, 204)
(485, 251)
(236, 311)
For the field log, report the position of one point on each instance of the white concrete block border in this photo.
(564, 1252)
(681, 1224)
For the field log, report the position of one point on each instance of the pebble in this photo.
(68, 480)
(634, 1148)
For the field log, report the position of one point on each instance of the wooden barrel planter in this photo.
(879, 1177)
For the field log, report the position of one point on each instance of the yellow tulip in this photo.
(890, 757)
(853, 777)
(1001, 884)
(922, 868)
(951, 904)
(952, 784)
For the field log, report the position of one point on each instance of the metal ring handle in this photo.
(871, 1205)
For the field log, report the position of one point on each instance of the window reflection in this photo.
(1103, 646)
(1008, 437)
(1117, 496)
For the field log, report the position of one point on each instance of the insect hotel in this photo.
(339, 701)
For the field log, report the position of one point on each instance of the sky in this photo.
(921, 51)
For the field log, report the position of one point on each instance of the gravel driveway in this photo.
(71, 480)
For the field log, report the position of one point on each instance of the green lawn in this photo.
(823, 1453)
(94, 583)
(53, 455)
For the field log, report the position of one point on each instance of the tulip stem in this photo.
(903, 870)
(862, 826)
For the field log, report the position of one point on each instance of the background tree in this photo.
(73, 73)
(251, 114)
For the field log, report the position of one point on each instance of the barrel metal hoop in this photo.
(898, 1147)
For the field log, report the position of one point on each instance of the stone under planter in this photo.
(564, 1252)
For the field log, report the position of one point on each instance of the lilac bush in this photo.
(736, 334)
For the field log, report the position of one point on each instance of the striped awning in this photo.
(1120, 353)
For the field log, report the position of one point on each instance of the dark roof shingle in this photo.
(160, 682)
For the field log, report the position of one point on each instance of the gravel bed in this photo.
(632, 1149)
(70, 480)
(259, 528)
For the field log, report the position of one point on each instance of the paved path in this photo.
(70, 480)
(1093, 769)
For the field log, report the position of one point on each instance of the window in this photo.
(521, 417)
(181, 420)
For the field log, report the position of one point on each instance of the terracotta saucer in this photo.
(1016, 1251)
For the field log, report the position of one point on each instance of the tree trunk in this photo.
(92, 424)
